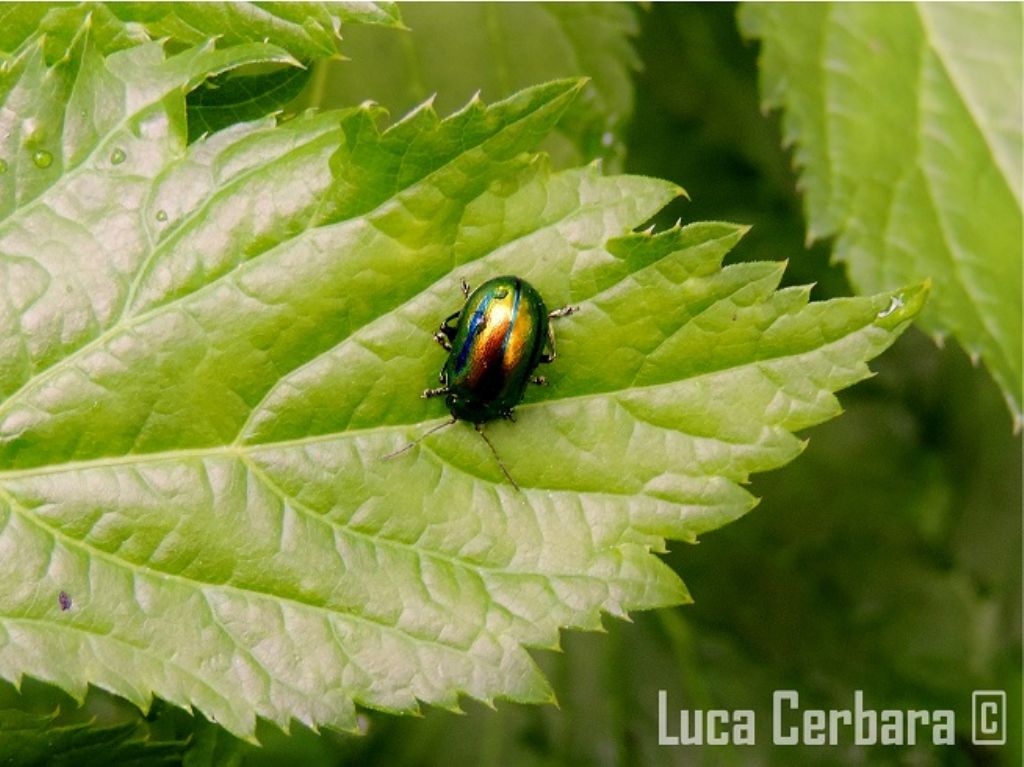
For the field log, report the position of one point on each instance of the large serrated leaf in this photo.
(207, 349)
(907, 121)
(453, 50)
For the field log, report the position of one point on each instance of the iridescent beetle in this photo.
(494, 344)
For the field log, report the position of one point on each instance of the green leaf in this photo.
(382, 14)
(207, 349)
(18, 21)
(457, 50)
(907, 122)
(35, 740)
(55, 26)
(308, 31)
(233, 98)
(211, 746)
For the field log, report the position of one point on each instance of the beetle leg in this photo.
(419, 439)
(508, 415)
(465, 288)
(548, 353)
(446, 326)
(539, 380)
(439, 392)
(565, 311)
(446, 332)
(442, 339)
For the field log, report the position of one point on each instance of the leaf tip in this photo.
(576, 84)
(565, 90)
(374, 112)
(904, 304)
(489, 702)
(248, 736)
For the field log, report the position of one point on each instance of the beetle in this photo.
(495, 343)
(499, 337)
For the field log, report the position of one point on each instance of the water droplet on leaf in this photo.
(895, 302)
(3, 166)
(42, 158)
(118, 156)
(161, 215)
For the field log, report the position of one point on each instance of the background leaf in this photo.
(308, 31)
(907, 121)
(55, 27)
(450, 52)
(231, 99)
(27, 739)
(189, 443)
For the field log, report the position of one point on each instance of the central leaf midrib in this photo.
(961, 91)
(240, 450)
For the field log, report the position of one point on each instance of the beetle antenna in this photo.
(419, 439)
(501, 464)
